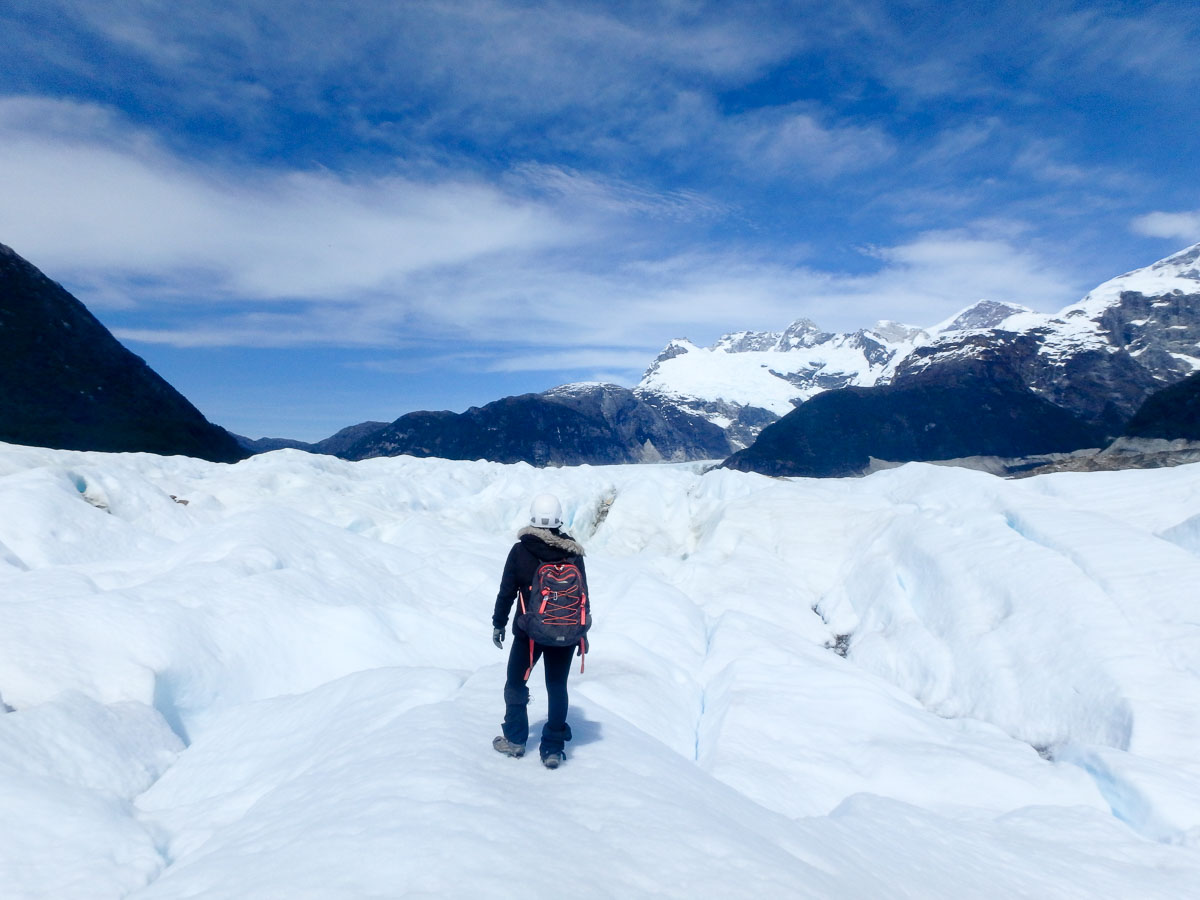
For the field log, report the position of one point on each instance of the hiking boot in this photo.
(501, 744)
(553, 760)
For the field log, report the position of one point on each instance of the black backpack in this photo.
(558, 614)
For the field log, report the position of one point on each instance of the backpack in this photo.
(558, 614)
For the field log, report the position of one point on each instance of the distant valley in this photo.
(994, 381)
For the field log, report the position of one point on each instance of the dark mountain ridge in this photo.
(571, 425)
(1171, 414)
(982, 411)
(335, 445)
(67, 383)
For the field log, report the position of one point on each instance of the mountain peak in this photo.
(802, 333)
(983, 314)
(748, 341)
(1176, 274)
(583, 387)
(1186, 262)
(896, 332)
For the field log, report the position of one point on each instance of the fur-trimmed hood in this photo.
(562, 542)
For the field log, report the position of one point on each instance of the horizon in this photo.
(305, 218)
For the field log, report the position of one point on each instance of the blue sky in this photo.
(309, 214)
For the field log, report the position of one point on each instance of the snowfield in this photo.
(925, 683)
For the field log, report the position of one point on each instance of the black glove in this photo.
(498, 637)
(584, 647)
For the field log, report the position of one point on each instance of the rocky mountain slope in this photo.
(570, 425)
(749, 379)
(1013, 384)
(843, 432)
(1171, 414)
(67, 383)
(1098, 358)
(334, 445)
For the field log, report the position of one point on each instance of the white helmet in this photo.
(545, 511)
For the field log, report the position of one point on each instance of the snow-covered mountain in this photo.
(1098, 358)
(924, 683)
(1094, 363)
(748, 379)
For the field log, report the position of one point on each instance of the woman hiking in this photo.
(548, 562)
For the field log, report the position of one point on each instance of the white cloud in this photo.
(639, 304)
(797, 141)
(80, 195)
(262, 258)
(615, 317)
(491, 68)
(1182, 226)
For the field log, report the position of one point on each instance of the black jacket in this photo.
(533, 547)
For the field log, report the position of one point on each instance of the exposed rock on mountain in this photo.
(573, 424)
(1098, 358)
(749, 379)
(67, 383)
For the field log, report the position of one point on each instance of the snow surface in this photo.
(286, 688)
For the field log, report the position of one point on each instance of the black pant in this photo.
(557, 663)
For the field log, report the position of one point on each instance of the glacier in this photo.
(276, 679)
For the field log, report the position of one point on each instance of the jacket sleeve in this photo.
(509, 586)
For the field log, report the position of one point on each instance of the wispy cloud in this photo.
(599, 193)
(951, 144)
(1049, 161)
(581, 74)
(607, 150)
(796, 140)
(1157, 42)
(260, 258)
(84, 195)
(617, 318)
(580, 359)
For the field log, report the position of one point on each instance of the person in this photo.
(543, 540)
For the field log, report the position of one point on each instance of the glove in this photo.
(584, 648)
(498, 637)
